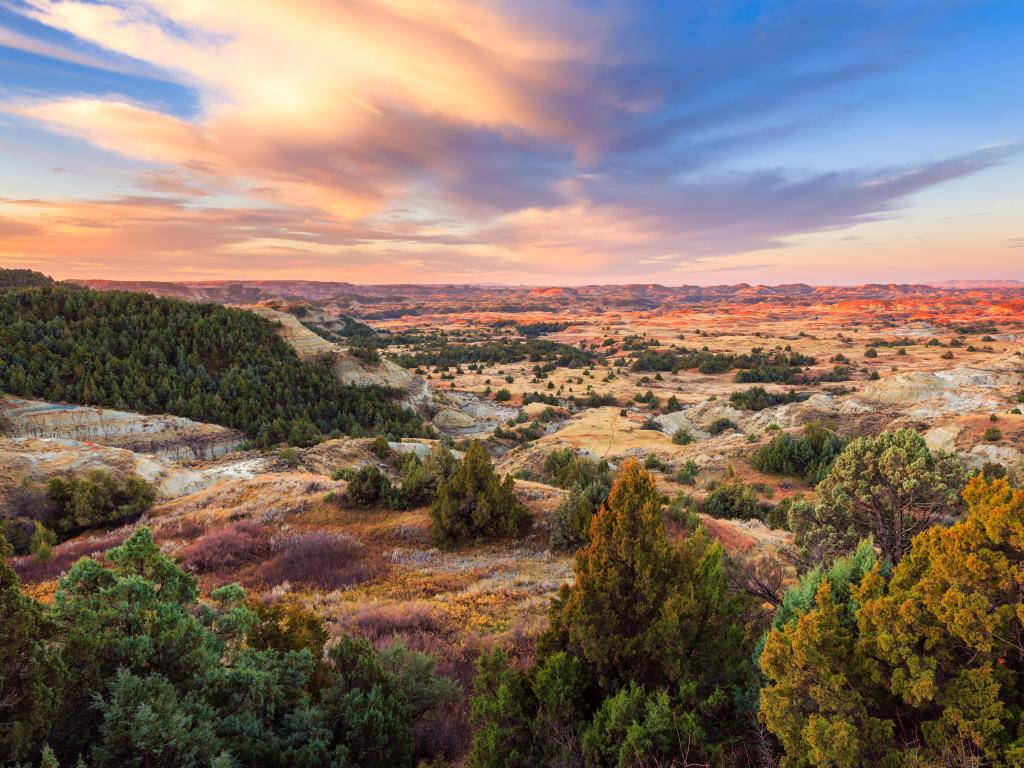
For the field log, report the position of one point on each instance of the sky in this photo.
(513, 141)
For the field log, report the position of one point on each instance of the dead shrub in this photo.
(319, 561)
(227, 549)
(31, 570)
(380, 623)
(445, 733)
(422, 628)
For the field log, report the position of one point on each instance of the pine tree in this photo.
(647, 611)
(31, 672)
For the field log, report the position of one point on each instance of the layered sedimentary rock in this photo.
(170, 437)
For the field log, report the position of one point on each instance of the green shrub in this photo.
(97, 499)
(588, 482)
(720, 425)
(289, 457)
(369, 487)
(733, 500)
(416, 484)
(653, 463)
(43, 542)
(687, 474)
(992, 434)
(571, 522)
(778, 516)
(683, 510)
(758, 398)
(474, 503)
(808, 456)
(682, 436)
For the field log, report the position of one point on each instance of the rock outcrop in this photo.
(38, 459)
(170, 437)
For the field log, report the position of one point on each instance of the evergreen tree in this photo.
(503, 710)
(890, 488)
(923, 668)
(474, 503)
(31, 672)
(634, 610)
(654, 613)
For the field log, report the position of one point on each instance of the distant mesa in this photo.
(554, 293)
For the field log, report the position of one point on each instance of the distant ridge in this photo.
(386, 301)
(976, 284)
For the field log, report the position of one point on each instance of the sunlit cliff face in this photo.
(427, 140)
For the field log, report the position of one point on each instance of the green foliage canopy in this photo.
(202, 361)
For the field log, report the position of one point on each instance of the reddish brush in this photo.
(320, 561)
(227, 549)
(186, 529)
(32, 570)
(381, 623)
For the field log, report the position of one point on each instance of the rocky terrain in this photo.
(170, 437)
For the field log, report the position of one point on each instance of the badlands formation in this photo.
(530, 372)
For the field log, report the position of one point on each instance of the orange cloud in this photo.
(315, 103)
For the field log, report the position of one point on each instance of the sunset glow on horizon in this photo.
(529, 142)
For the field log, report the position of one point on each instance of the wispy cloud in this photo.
(19, 42)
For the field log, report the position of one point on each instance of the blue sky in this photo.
(537, 142)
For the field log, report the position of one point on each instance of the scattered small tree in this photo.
(43, 542)
(809, 456)
(380, 447)
(733, 499)
(98, 498)
(682, 436)
(369, 487)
